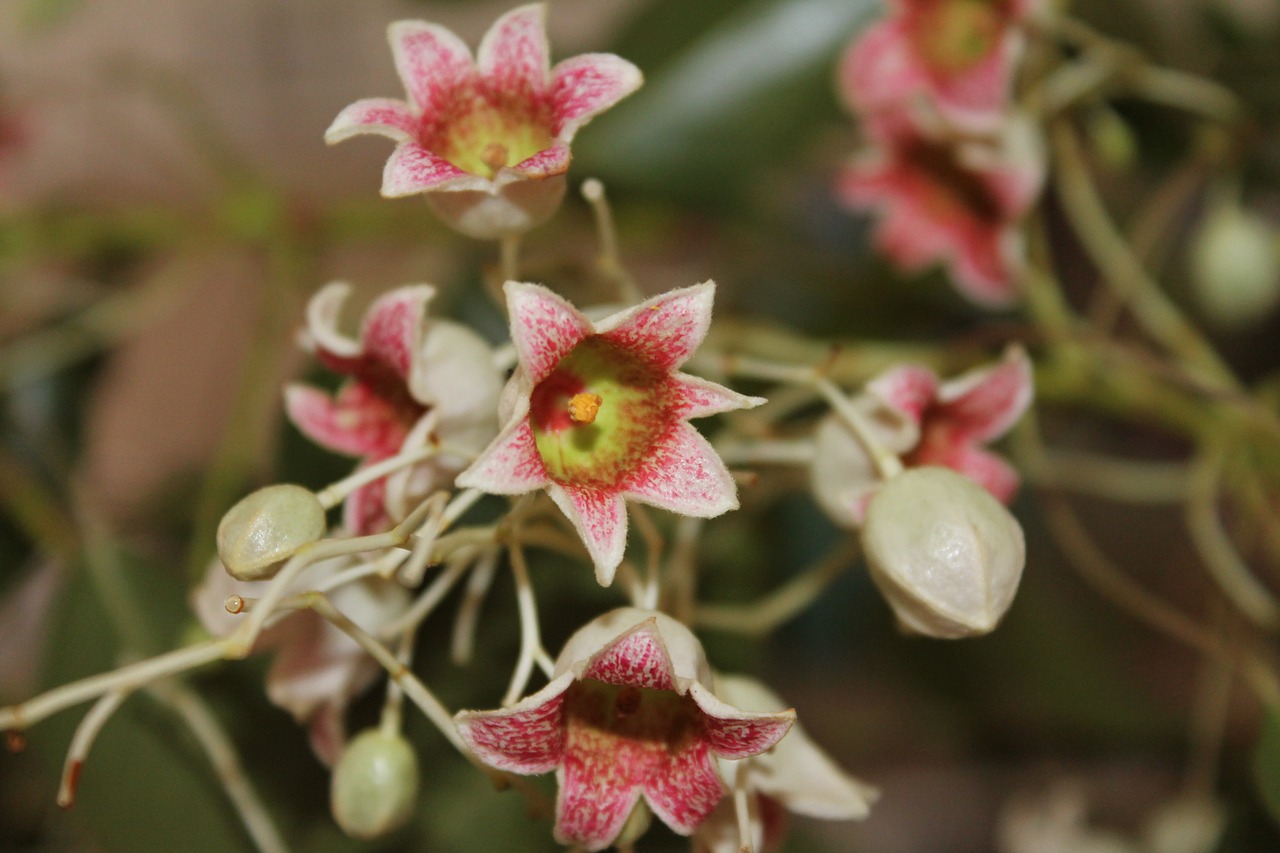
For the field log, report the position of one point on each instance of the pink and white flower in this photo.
(927, 422)
(412, 383)
(955, 201)
(795, 776)
(626, 716)
(597, 413)
(318, 669)
(955, 56)
(487, 139)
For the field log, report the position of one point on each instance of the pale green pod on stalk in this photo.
(266, 528)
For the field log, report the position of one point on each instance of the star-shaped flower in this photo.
(795, 776)
(626, 716)
(597, 412)
(956, 55)
(401, 369)
(486, 139)
(959, 202)
(927, 422)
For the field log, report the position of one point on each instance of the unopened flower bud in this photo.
(267, 527)
(945, 553)
(375, 785)
(1235, 269)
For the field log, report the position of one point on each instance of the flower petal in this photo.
(685, 790)
(637, 657)
(413, 169)
(356, 422)
(880, 69)
(985, 468)
(514, 57)
(666, 329)
(383, 116)
(545, 164)
(392, 329)
(586, 85)
(595, 799)
(983, 404)
(544, 327)
(682, 473)
(432, 63)
(527, 738)
(734, 733)
(696, 397)
(511, 464)
(600, 517)
(365, 510)
(909, 389)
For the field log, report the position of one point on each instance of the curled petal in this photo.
(909, 389)
(545, 164)
(666, 329)
(982, 405)
(600, 517)
(638, 657)
(734, 733)
(527, 738)
(432, 63)
(392, 330)
(514, 56)
(356, 422)
(383, 116)
(587, 85)
(683, 474)
(413, 169)
(544, 327)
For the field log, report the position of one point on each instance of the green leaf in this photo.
(1266, 764)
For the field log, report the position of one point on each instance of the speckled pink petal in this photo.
(511, 464)
(880, 70)
(734, 733)
(546, 163)
(982, 466)
(667, 329)
(356, 422)
(365, 510)
(686, 789)
(977, 99)
(637, 657)
(413, 169)
(544, 327)
(982, 405)
(383, 116)
(527, 738)
(983, 269)
(432, 63)
(585, 86)
(392, 329)
(596, 797)
(514, 57)
(600, 517)
(682, 473)
(910, 389)
(695, 397)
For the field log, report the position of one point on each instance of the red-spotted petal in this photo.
(383, 116)
(432, 63)
(909, 389)
(586, 85)
(413, 169)
(597, 794)
(637, 658)
(527, 738)
(392, 329)
(544, 327)
(356, 422)
(734, 733)
(984, 404)
(683, 474)
(982, 466)
(546, 163)
(685, 789)
(600, 517)
(695, 397)
(667, 329)
(514, 58)
(511, 464)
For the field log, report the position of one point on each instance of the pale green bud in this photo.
(945, 554)
(266, 528)
(375, 785)
(1235, 269)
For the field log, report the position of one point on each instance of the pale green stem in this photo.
(609, 262)
(430, 598)
(467, 618)
(86, 733)
(1129, 480)
(653, 546)
(530, 636)
(761, 451)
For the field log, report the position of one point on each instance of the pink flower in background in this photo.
(487, 139)
(597, 413)
(955, 202)
(411, 383)
(927, 422)
(955, 56)
(627, 715)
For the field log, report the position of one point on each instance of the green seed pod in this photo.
(266, 528)
(945, 553)
(375, 785)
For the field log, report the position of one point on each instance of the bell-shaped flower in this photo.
(627, 715)
(412, 382)
(926, 422)
(317, 669)
(487, 139)
(943, 200)
(958, 56)
(597, 413)
(795, 776)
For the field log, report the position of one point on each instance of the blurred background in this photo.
(167, 205)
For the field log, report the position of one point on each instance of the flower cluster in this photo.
(950, 167)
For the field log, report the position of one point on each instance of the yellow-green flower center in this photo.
(955, 35)
(481, 137)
